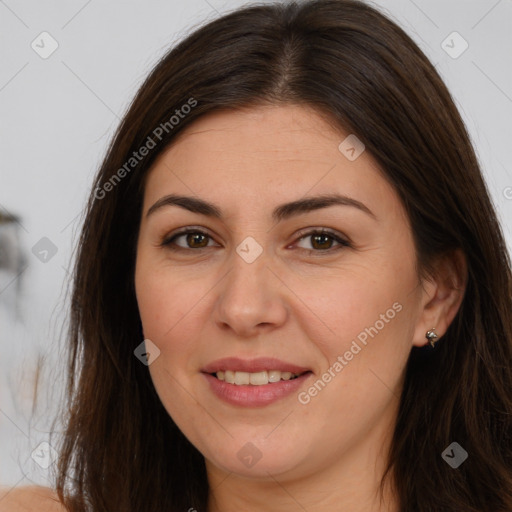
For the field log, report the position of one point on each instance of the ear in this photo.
(442, 296)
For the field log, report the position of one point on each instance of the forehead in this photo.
(266, 133)
(264, 156)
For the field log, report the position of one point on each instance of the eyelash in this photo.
(168, 242)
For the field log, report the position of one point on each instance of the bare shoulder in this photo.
(30, 499)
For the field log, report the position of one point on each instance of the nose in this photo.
(252, 299)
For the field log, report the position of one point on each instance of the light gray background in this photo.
(58, 114)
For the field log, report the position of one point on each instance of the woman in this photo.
(291, 290)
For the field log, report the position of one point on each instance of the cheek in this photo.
(172, 315)
(164, 300)
(166, 308)
(351, 304)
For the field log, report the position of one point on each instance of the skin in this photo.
(29, 498)
(201, 304)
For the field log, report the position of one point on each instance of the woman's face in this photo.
(259, 294)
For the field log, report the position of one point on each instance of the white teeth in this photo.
(259, 378)
(241, 378)
(274, 376)
(256, 379)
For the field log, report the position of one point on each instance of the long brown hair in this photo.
(120, 449)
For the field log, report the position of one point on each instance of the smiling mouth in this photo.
(256, 378)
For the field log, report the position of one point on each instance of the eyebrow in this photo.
(281, 212)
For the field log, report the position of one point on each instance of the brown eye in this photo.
(194, 239)
(322, 241)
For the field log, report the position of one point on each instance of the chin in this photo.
(266, 468)
(258, 458)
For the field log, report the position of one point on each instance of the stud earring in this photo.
(432, 336)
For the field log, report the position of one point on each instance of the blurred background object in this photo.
(12, 262)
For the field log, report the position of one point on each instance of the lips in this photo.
(260, 364)
(255, 395)
(254, 382)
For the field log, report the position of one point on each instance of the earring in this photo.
(432, 336)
